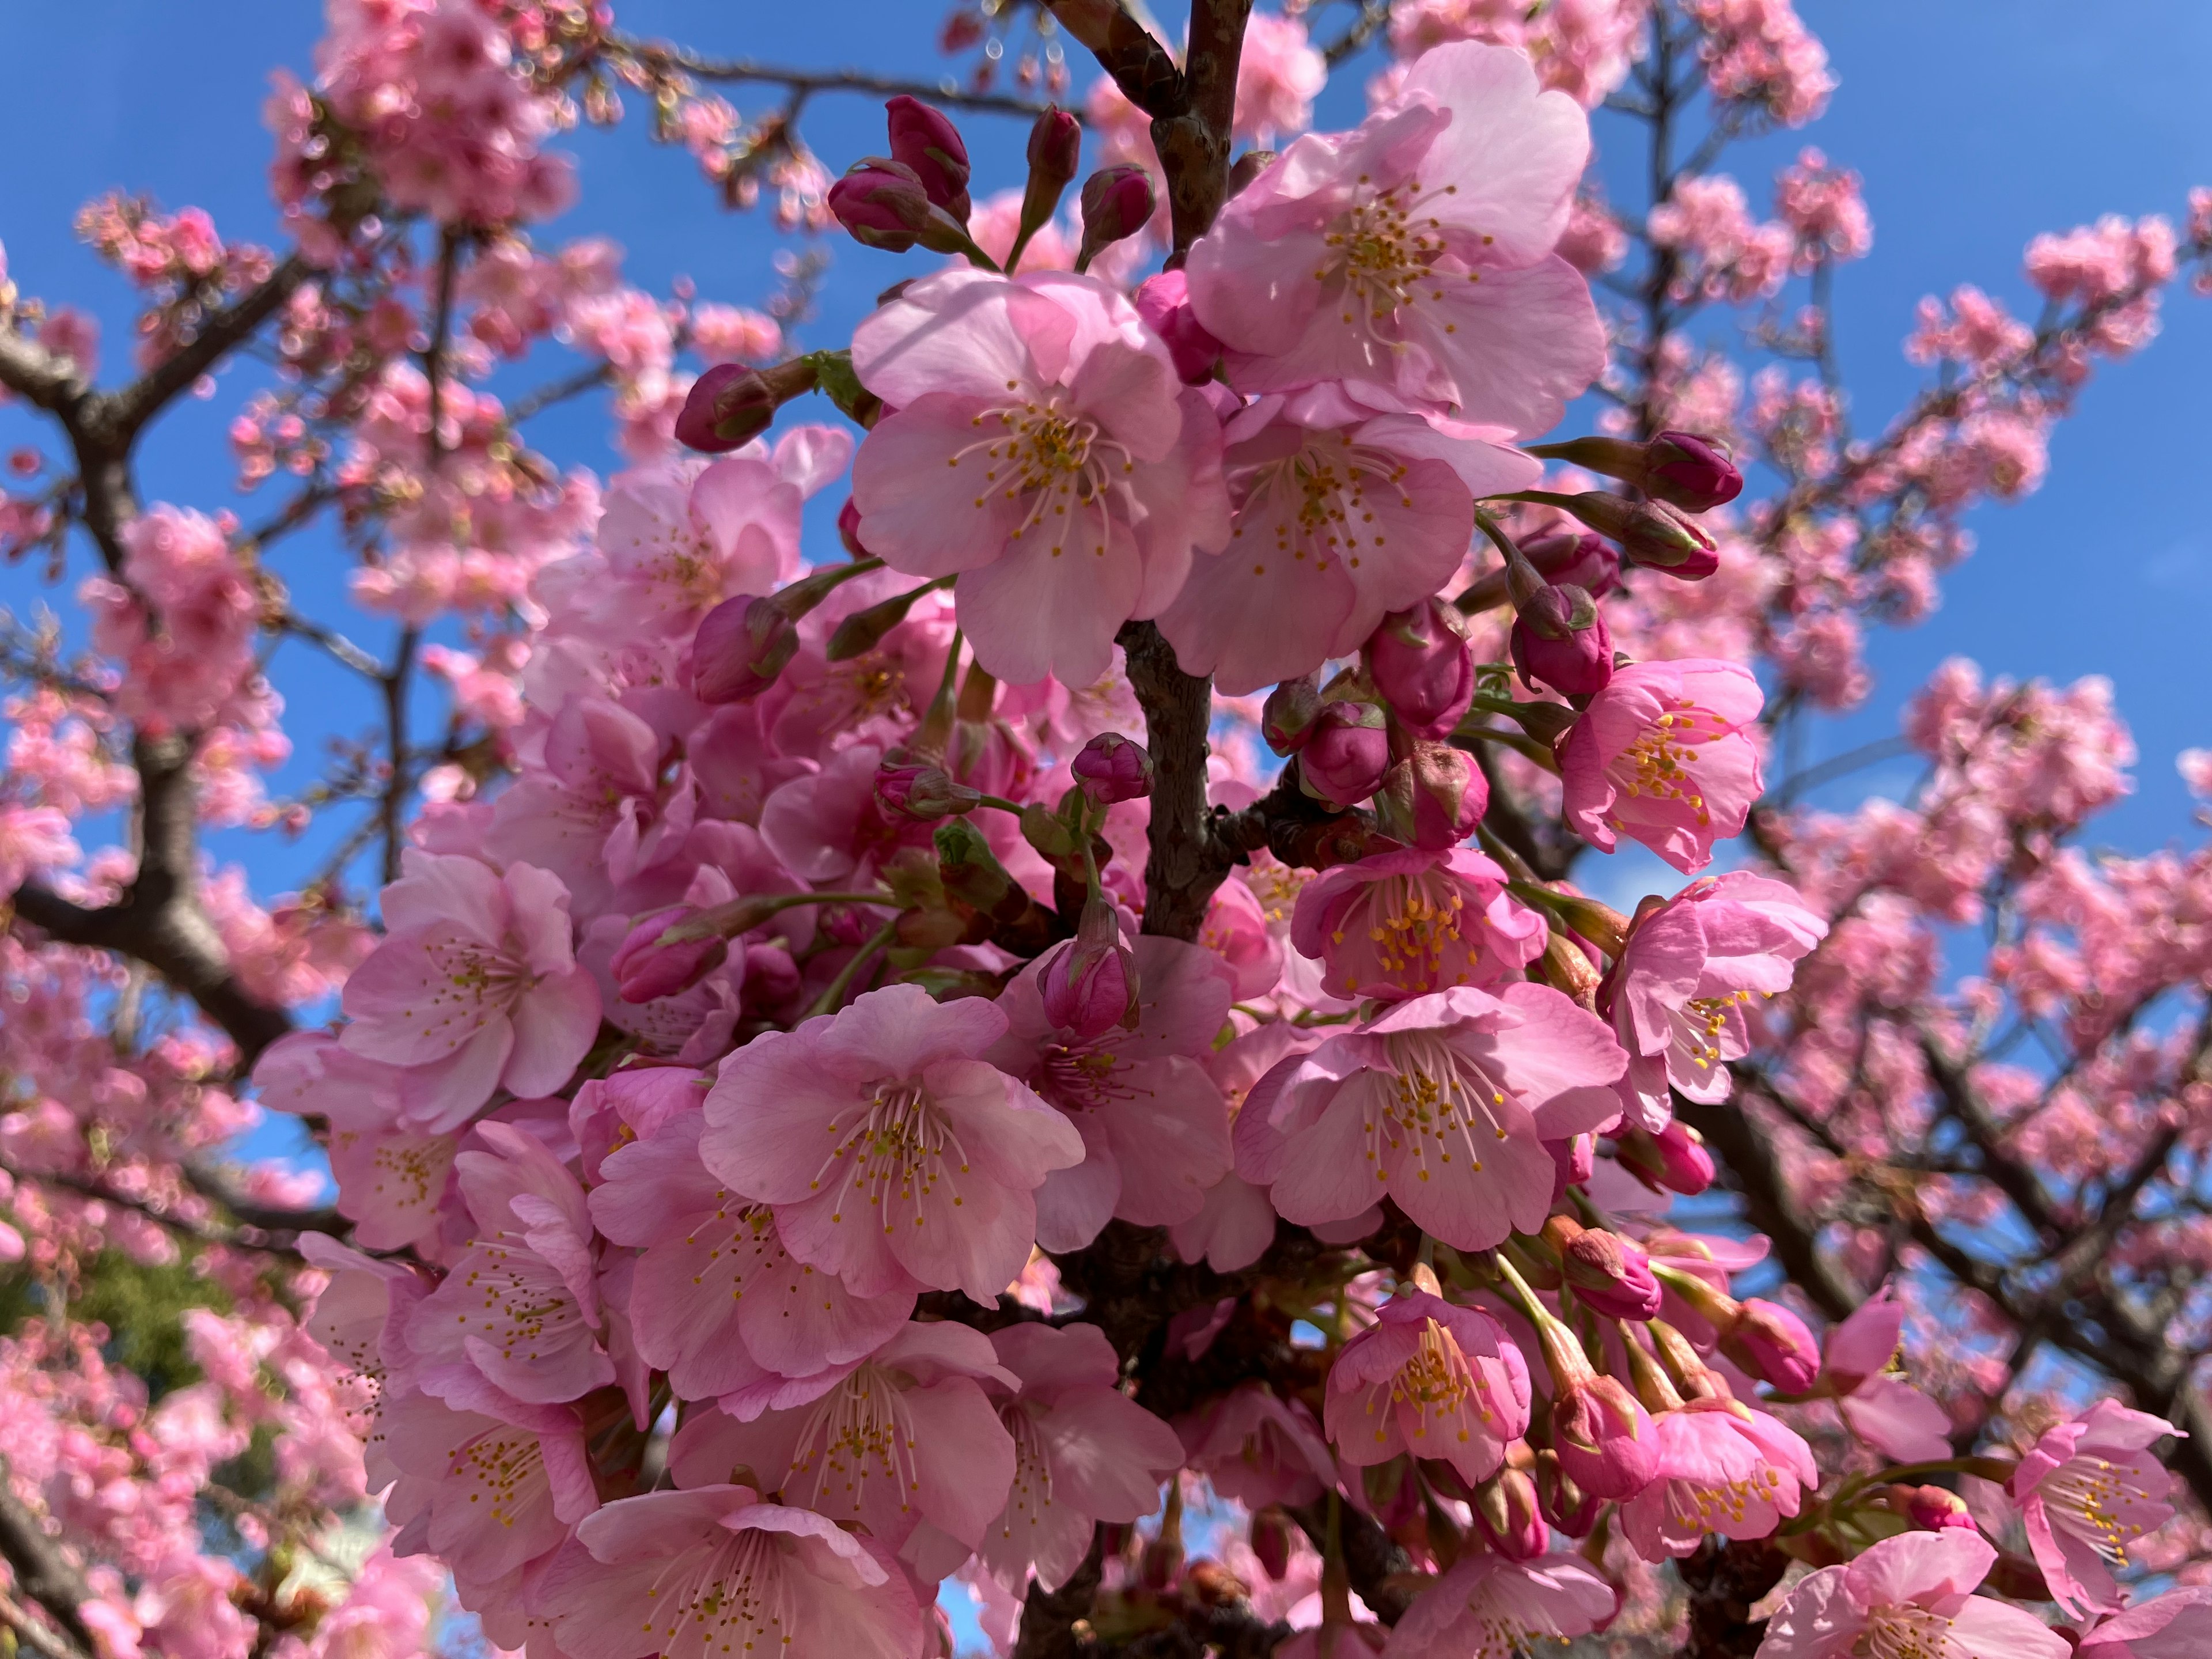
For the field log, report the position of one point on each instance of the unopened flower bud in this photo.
(1117, 202)
(1111, 768)
(1586, 560)
(1650, 533)
(1605, 1438)
(1432, 798)
(1560, 640)
(1934, 1508)
(1286, 718)
(1684, 1366)
(730, 406)
(1422, 665)
(1564, 1503)
(1346, 754)
(1089, 983)
(924, 140)
(1055, 152)
(884, 205)
(1508, 1515)
(1693, 473)
(741, 647)
(924, 793)
(1673, 1160)
(1164, 301)
(644, 969)
(1247, 168)
(1773, 1345)
(1610, 1274)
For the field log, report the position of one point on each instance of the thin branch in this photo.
(1373, 14)
(129, 410)
(43, 1573)
(658, 55)
(559, 392)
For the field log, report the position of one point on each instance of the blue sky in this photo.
(1972, 137)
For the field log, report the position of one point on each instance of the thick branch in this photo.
(124, 412)
(1756, 1167)
(1128, 51)
(1185, 863)
(1194, 144)
(43, 1573)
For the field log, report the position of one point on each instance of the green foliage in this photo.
(142, 1307)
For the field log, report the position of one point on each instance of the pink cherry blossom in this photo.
(1433, 1380)
(719, 1571)
(2088, 1490)
(2148, 1630)
(1407, 923)
(1677, 995)
(1486, 1604)
(1258, 1448)
(1667, 754)
(1155, 1128)
(1415, 253)
(906, 1437)
(1912, 1592)
(933, 1158)
(1045, 451)
(487, 1490)
(1083, 1452)
(1443, 1103)
(1723, 1467)
(1342, 515)
(475, 987)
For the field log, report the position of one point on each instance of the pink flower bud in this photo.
(884, 205)
(1933, 1509)
(1163, 303)
(1346, 754)
(1507, 1513)
(1610, 1274)
(1286, 718)
(1605, 1438)
(1117, 202)
(1056, 150)
(1089, 983)
(1111, 768)
(741, 647)
(1433, 798)
(1422, 665)
(1695, 474)
(1560, 640)
(1271, 1542)
(1675, 1160)
(1564, 1503)
(923, 793)
(1650, 533)
(924, 140)
(727, 406)
(644, 969)
(1773, 1345)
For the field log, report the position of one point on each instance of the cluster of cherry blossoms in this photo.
(1057, 1055)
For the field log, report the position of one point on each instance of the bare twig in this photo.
(653, 54)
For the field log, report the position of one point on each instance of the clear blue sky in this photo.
(1972, 136)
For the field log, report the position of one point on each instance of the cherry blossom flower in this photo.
(1910, 1593)
(1408, 923)
(1415, 253)
(1433, 1380)
(929, 1174)
(1443, 1103)
(2088, 1490)
(1486, 1604)
(1045, 452)
(1723, 1467)
(1666, 755)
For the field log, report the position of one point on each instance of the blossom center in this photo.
(734, 1599)
(2096, 1501)
(1437, 1383)
(1657, 763)
(892, 1155)
(861, 1430)
(1440, 1101)
(1080, 1079)
(1902, 1631)
(1055, 461)
(1382, 252)
(1411, 921)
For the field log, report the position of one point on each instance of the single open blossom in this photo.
(1154, 1126)
(2175, 1625)
(1429, 1379)
(1045, 452)
(678, 540)
(1342, 515)
(487, 1490)
(1723, 1467)
(1407, 923)
(2088, 1490)
(1910, 1595)
(1083, 1452)
(475, 987)
(1415, 253)
(1486, 1606)
(1882, 1409)
(906, 1437)
(1443, 1103)
(1667, 754)
(521, 1306)
(716, 1301)
(892, 1155)
(714, 1572)
(1678, 992)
